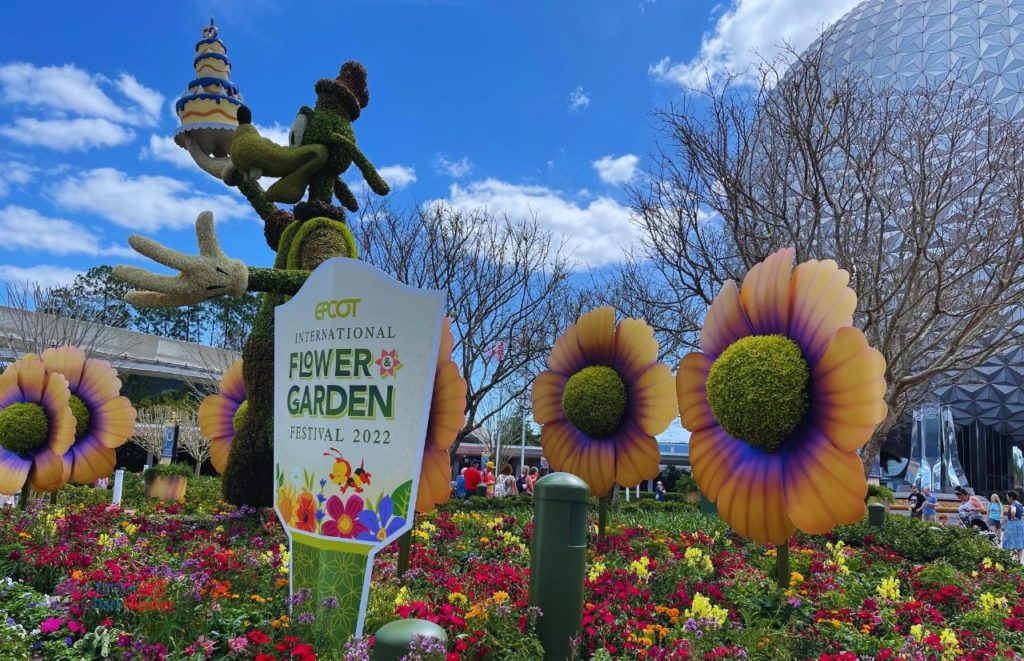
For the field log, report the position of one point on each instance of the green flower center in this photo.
(757, 390)
(82, 417)
(595, 400)
(24, 427)
(243, 410)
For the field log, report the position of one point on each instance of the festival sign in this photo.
(354, 361)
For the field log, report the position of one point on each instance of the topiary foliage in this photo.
(595, 401)
(23, 427)
(82, 417)
(757, 389)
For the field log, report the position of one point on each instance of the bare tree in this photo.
(149, 427)
(507, 288)
(34, 319)
(919, 194)
(191, 441)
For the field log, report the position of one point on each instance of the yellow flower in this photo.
(703, 609)
(796, 578)
(280, 623)
(989, 602)
(698, 559)
(457, 598)
(402, 597)
(596, 570)
(500, 597)
(889, 589)
(917, 631)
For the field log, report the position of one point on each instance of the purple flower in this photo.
(380, 524)
(794, 602)
(306, 618)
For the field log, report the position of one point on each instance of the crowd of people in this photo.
(1005, 521)
(506, 483)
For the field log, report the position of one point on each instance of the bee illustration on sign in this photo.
(343, 475)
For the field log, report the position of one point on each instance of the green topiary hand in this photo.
(207, 275)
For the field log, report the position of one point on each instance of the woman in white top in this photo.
(506, 484)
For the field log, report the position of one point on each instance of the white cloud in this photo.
(456, 169)
(578, 99)
(595, 233)
(397, 176)
(163, 148)
(275, 132)
(144, 203)
(616, 171)
(14, 173)
(67, 134)
(27, 229)
(45, 275)
(747, 30)
(68, 89)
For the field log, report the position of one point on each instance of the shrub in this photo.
(167, 470)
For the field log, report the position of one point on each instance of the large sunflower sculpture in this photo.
(447, 416)
(602, 400)
(104, 419)
(221, 413)
(36, 427)
(781, 396)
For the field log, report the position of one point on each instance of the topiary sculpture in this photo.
(323, 146)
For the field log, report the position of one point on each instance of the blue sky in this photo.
(522, 107)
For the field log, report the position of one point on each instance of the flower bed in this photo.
(194, 580)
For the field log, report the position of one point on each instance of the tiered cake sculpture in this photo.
(218, 133)
(209, 111)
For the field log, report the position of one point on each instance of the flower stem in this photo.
(782, 565)
(404, 548)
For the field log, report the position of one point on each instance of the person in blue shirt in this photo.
(995, 517)
(930, 501)
(460, 484)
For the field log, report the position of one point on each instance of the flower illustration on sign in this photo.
(388, 362)
(380, 524)
(305, 516)
(343, 518)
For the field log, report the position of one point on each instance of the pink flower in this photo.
(343, 520)
(238, 644)
(51, 624)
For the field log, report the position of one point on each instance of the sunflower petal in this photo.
(635, 348)
(435, 480)
(548, 388)
(765, 293)
(692, 391)
(62, 420)
(232, 385)
(9, 391)
(68, 361)
(725, 322)
(825, 486)
(447, 406)
(849, 390)
(595, 333)
(91, 460)
(31, 378)
(219, 450)
(596, 466)
(217, 417)
(652, 398)
(113, 421)
(560, 440)
(714, 456)
(13, 472)
(821, 304)
(99, 382)
(752, 499)
(47, 472)
(637, 457)
(566, 357)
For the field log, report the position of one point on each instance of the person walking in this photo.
(915, 501)
(488, 479)
(930, 501)
(473, 477)
(460, 485)
(506, 483)
(524, 472)
(995, 517)
(531, 480)
(1013, 536)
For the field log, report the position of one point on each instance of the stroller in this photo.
(977, 521)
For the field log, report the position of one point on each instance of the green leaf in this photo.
(400, 498)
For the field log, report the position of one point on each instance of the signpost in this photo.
(354, 361)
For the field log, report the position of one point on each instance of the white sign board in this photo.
(354, 359)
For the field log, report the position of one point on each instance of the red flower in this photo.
(265, 657)
(257, 637)
(305, 517)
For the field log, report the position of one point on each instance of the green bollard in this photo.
(558, 560)
(876, 514)
(392, 641)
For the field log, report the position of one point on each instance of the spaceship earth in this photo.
(911, 43)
